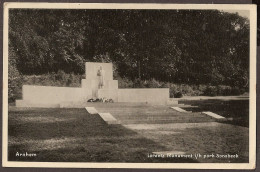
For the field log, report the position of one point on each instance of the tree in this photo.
(180, 46)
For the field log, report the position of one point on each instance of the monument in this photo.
(99, 83)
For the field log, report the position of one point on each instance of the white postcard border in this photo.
(252, 89)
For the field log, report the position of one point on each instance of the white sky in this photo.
(243, 13)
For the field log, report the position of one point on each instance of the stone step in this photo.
(70, 104)
(91, 110)
(213, 115)
(159, 117)
(108, 118)
(162, 116)
(180, 110)
(166, 121)
(174, 120)
(185, 106)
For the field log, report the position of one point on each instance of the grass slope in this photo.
(236, 109)
(73, 135)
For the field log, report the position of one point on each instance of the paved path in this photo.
(212, 97)
(149, 114)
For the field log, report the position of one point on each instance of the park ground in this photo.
(73, 135)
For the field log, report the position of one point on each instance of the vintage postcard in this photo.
(129, 86)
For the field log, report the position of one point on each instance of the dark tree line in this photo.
(179, 46)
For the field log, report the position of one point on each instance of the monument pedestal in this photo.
(108, 94)
(92, 84)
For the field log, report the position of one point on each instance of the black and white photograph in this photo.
(129, 85)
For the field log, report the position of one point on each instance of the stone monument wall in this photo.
(48, 96)
(92, 68)
(142, 95)
(147, 95)
(45, 96)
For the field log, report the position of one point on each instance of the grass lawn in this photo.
(73, 135)
(184, 132)
(236, 109)
(203, 138)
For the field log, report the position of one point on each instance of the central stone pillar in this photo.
(92, 80)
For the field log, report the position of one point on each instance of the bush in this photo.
(139, 83)
(224, 90)
(14, 78)
(14, 85)
(125, 83)
(211, 91)
(60, 79)
(198, 90)
(178, 95)
(236, 91)
(165, 85)
(152, 84)
(173, 90)
(186, 90)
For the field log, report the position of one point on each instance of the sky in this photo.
(243, 13)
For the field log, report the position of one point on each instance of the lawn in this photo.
(73, 135)
(238, 110)
(183, 132)
(210, 138)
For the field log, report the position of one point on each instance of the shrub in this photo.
(186, 90)
(14, 85)
(152, 83)
(14, 78)
(73, 80)
(139, 83)
(236, 91)
(173, 90)
(202, 88)
(243, 91)
(165, 85)
(60, 79)
(196, 90)
(224, 90)
(125, 83)
(211, 91)
(15, 82)
(178, 95)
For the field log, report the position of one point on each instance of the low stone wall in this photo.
(44, 96)
(47, 96)
(133, 95)
(108, 94)
(147, 95)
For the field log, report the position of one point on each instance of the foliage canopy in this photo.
(180, 46)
